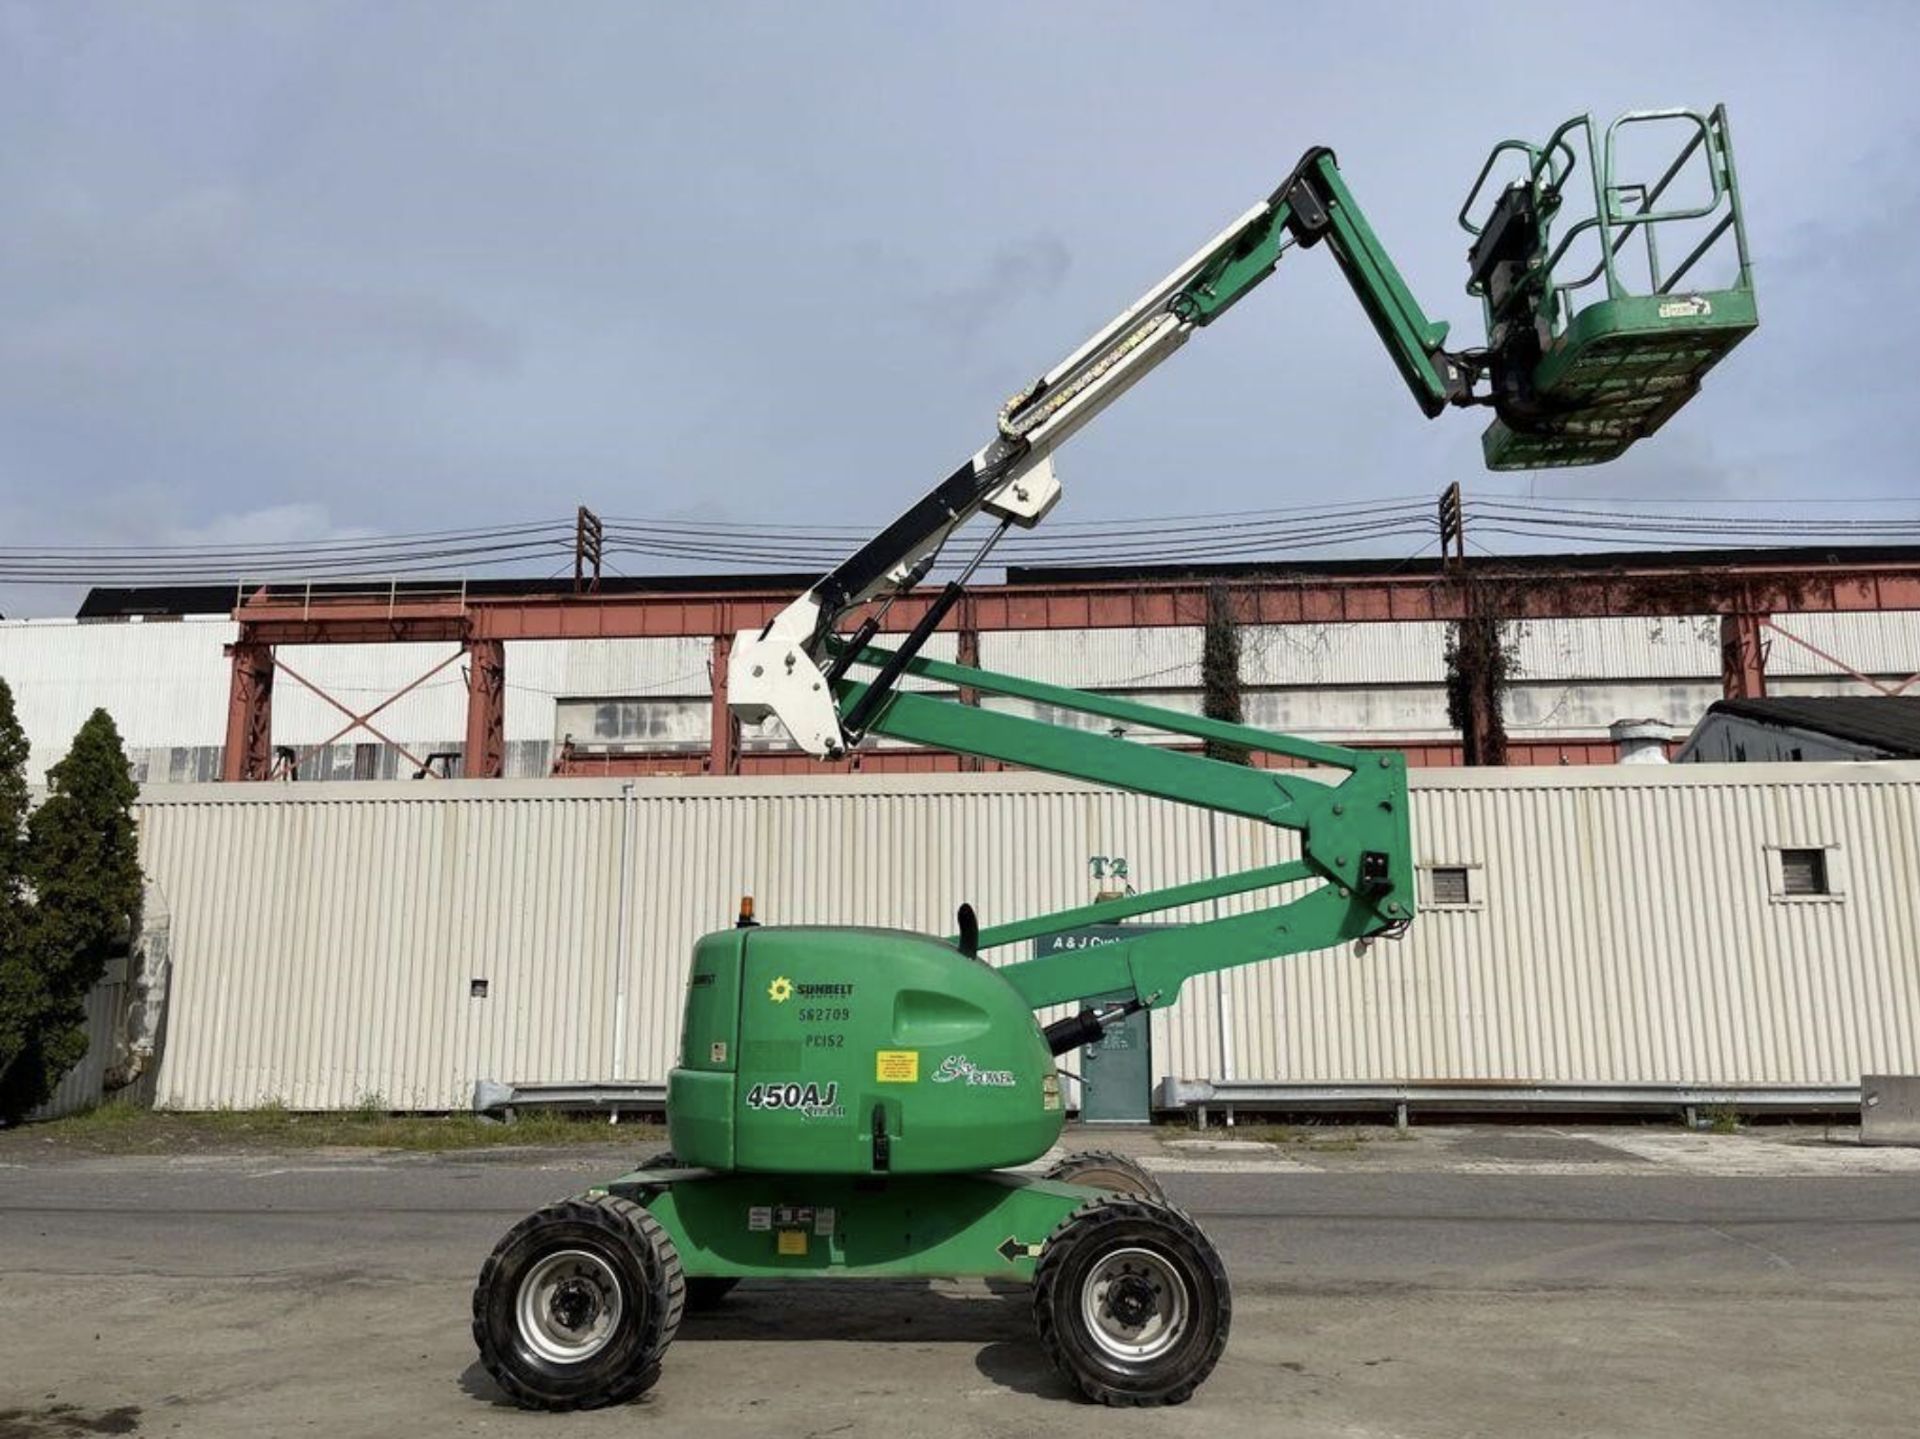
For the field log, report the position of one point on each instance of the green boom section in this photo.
(1341, 822)
(1414, 341)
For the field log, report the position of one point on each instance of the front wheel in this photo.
(576, 1305)
(1131, 1302)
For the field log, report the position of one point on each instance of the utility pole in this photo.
(587, 534)
(1453, 528)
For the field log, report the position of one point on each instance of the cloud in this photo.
(1679, 463)
(282, 271)
(1028, 269)
(270, 525)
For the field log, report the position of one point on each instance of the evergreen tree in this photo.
(82, 868)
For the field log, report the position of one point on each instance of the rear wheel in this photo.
(576, 1305)
(1131, 1302)
(1103, 1169)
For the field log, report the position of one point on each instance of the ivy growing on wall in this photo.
(1481, 661)
(1221, 692)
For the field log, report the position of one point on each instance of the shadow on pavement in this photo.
(476, 1383)
(1020, 1366)
(883, 1311)
(864, 1311)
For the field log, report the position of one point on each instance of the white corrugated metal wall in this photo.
(84, 1084)
(1624, 925)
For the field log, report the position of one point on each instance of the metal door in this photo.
(1117, 1073)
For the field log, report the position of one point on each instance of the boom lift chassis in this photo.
(858, 1103)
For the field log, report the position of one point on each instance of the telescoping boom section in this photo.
(1579, 364)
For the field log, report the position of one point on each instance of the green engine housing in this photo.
(856, 1051)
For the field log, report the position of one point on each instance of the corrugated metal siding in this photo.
(164, 684)
(1414, 651)
(82, 1086)
(324, 940)
(323, 948)
(1620, 648)
(1874, 642)
(1104, 659)
(1382, 652)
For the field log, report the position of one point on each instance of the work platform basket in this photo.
(1596, 338)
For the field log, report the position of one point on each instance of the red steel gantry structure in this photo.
(1745, 594)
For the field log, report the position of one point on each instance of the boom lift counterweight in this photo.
(856, 1102)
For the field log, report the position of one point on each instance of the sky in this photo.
(292, 271)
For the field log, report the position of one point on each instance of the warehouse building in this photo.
(1590, 929)
(333, 685)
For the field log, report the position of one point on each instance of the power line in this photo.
(1232, 535)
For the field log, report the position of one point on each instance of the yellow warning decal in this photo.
(791, 1241)
(896, 1066)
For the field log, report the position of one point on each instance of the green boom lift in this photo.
(856, 1103)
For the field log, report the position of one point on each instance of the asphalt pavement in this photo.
(1516, 1282)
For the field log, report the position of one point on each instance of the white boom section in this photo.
(780, 671)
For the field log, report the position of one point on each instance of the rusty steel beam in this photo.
(486, 751)
(1533, 592)
(723, 753)
(249, 750)
(1743, 657)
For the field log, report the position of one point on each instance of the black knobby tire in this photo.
(604, 1262)
(1158, 1295)
(1103, 1169)
(665, 1159)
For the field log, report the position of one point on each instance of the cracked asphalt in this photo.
(1446, 1288)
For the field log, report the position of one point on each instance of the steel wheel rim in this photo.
(1114, 1289)
(569, 1306)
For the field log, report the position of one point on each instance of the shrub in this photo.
(73, 902)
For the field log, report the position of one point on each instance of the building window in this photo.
(1803, 872)
(1451, 886)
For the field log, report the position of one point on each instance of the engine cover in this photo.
(856, 1051)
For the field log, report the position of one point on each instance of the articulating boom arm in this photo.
(1355, 841)
(785, 671)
